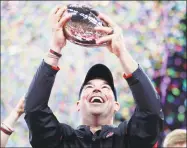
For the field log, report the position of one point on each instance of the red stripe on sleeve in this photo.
(127, 76)
(156, 145)
(55, 68)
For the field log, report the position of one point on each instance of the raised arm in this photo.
(44, 128)
(8, 124)
(145, 124)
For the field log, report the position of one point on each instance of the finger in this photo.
(21, 101)
(64, 19)
(20, 105)
(104, 39)
(109, 47)
(106, 19)
(20, 111)
(61, 12)
(54, 10)
(107, 30)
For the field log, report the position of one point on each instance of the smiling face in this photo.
(97, 98)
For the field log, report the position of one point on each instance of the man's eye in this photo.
(89, 86)
(105, 86)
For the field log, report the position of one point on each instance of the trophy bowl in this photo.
(80, 28)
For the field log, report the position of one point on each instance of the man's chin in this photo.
(96, 112)
(96, 109)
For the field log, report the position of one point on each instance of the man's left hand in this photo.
(114, 38)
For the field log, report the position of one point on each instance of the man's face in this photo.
(97, 98)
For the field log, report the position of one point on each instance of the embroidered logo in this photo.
(109, 134)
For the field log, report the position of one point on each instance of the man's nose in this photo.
(96, 90)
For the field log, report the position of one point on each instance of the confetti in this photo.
(153, 33)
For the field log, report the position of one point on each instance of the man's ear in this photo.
(78, 105)
(117, 106)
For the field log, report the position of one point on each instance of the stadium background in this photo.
(155, 34)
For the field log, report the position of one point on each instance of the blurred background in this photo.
(154, 33)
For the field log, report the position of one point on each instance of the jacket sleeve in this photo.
(44, 128)
(146, 123)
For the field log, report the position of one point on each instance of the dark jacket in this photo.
(45, 131)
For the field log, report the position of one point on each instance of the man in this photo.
(97, 100)
(176, 138)
(8, 124)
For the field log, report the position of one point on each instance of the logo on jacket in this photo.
(109, 134)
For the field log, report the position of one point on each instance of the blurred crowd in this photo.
(153, 32)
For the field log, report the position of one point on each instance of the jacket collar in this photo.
(83, 131)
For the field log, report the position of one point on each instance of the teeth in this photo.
(92, 100)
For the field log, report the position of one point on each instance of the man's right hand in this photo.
(19, 109)
(57, 19)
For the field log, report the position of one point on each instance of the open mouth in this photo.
(96, 100)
